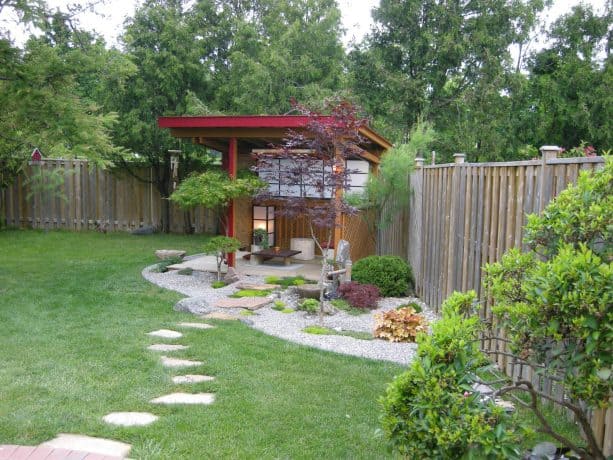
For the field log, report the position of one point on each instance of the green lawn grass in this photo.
(74, 313)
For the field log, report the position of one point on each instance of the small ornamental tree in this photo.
(221, 246)
(215, 190)
(555, 301)
(316, 172)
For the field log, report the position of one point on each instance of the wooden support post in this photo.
(231, 165)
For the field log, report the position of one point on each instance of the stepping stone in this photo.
(196, 325)
(191, 378)
(166, 347)
(250, 303)
(166, 333)
(185, 398)
(258, 287)
(220, 315)
(89, 444)
(130, 418)
(173, 362)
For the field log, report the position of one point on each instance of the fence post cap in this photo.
(419, 162)
(459, 158)
(550, 151)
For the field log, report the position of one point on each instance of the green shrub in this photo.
(414, 305)
(246, 313)
(278, 305)
(430, 411)
(342, 304)
(162, 267)
(309, 305)
(218, 284)
(286, 281)
(288, 310)
(250, 293)
(390, 274)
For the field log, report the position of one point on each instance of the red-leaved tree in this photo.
(310, 170)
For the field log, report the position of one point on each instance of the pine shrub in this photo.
(390, 274)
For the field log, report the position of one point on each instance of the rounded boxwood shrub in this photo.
(390, 274)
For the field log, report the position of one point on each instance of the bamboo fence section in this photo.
(91, 198)
(464, 215)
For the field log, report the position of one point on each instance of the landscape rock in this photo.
(174, 362)
(250, 303)
(169, 253)
(166, 347)
(144, 230)
(89, 444)
(165, 333)
(195, 305)
(185, 398)
(191, 378)
(543, 450)
(231, 276)
(220, 315)
(308, 291)
(257, 286)
(196, 325)
(130, 418)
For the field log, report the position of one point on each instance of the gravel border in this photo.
(289, 326)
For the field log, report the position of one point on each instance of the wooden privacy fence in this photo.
(87, 197)
(464, 215)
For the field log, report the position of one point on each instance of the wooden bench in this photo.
(266, 254)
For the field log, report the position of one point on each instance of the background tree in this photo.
(445, 62)
(215, 190)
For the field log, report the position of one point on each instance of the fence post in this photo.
(548, 152)
(415, 238)
(451, 243)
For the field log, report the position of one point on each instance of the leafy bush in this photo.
(555, 301)
(162, 267)
(278, 305)
(414, 305)
(401, 325)
(286, 281)
(250, 293)
(359, 295)
(342, 304)
(390, 274)
(430, 412)
(309, 305)
(580, 214)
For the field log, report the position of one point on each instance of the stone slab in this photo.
(220, 315)
(185, 398)
(169, 253)
(174, 362)
(196, 325)
(257, 286)
(89, 444)
(165, 333)
(250, 303)
(166, 347)
(130, 418)
(191, 378)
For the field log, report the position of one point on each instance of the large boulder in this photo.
(169, 253)
(196, 305)
(231, 276)
(307, 291)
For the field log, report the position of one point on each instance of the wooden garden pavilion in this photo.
(237, 137)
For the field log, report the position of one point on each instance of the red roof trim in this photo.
(238, 121)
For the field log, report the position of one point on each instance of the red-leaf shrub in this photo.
(359, 295)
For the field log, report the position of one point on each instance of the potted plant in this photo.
(260, 239)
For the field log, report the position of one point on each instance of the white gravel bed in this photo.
(289, 326)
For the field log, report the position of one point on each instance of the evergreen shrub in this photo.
(390, 274)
